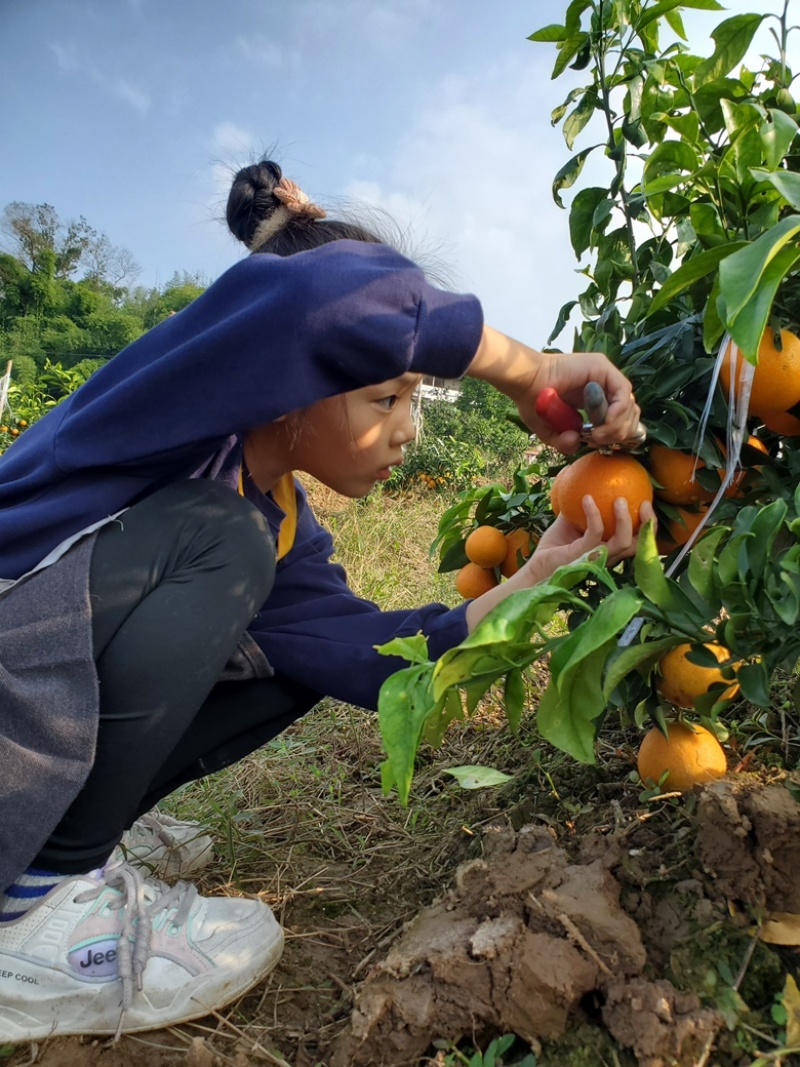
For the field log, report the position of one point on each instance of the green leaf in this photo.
(549, 34)
(661, 591)
(610, 618)
(581, 217)
(665, 6)
(675, 23)
(568, 49)
(577, 119)
(436, 726)
(414, 649)
(561, 321)
(700, 572)
(765, 527)
(476, 777)
(749, 325)
(732, 39)
(787, 182)
(754, 680)
(405, 702)
(569, 173)
(713, 325)
(635, 658)
(502, 639)
(669, 157)
(453, 558)
(558, 113)
(691, 271)
(777, 135)
(741, 272)
(574, 701)
(514, 695)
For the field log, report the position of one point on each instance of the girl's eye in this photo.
(388, 402)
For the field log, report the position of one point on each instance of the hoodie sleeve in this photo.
(313, 628)
(271, 335)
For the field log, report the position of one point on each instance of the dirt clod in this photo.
(748, 839)
(522, 937)
(661, 1025)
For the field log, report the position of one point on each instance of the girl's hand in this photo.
(563, 543)
(568, 373)
(521, 373)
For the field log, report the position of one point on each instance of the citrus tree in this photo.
(691, 260)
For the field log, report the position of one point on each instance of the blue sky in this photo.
(135, 114)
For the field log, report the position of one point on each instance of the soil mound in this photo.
(748, 839)
(523, 937)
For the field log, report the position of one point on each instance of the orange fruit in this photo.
(735, 488)
(783, 423)
(486, 546)
(555, 491)
(681, 529)
(518, 543)
(691, 755)
(672, 470)
(473, 581)
(776, 379)
(682, 681)
(605, 478)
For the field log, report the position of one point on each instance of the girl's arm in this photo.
(521, 373)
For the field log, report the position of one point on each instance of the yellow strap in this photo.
(285, 496)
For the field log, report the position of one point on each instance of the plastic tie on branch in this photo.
(738, 407)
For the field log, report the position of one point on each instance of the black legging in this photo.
(174, 584)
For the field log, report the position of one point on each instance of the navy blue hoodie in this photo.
(271, 335)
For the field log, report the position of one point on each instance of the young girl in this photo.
(169, 602)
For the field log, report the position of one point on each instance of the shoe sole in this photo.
(98, 1017)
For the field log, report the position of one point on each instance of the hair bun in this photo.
(252, 200)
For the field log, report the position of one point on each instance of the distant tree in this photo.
(31, 231)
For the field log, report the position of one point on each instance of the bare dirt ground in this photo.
(600, 925)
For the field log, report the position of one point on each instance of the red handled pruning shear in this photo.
(559, 415)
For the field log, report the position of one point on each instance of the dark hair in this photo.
(252, 201)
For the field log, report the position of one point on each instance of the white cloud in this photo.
(472, 179)
(138, 99)
(269, 52)
(66, 55)
(70, 60)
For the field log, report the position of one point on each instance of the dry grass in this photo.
(303, 825)
(383, 543)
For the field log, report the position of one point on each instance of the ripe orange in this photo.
(691, 755)
(605, 478)
(681, 529)
(776, 379)
(519, 542)
(486, 546)
(473, 581)
(682, 681)
(555, 491)
(735, 488)
(783, 423)
(672, 470)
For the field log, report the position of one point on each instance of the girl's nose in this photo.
(407, 430)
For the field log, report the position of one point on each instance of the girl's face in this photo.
(352, 441)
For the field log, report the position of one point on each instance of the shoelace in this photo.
(137, 921)
(155, 824)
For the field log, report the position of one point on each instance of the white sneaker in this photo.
(165, 847)
(126, 954)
